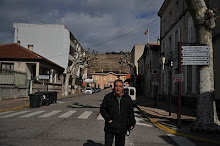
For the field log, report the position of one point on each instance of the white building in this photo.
(54, 42)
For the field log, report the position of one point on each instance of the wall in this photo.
(49, 41)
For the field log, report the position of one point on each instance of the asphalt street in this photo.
(72, 121)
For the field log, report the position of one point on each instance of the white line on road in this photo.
(60, 102)
(85, 115)
(2, 113)
(67, 114)
(100, 117)
(14, 114)
(50, 114)
(181, 141)
(31, 114)
(144, 124)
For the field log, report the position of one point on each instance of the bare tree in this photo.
(204, 21)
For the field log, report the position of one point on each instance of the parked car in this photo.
(131, 91)
(88, 90)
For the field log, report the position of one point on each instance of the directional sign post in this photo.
(195, 55)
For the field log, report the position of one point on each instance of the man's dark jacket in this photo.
(122, 115)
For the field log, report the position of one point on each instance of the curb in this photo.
(171, 131)
(19, 107)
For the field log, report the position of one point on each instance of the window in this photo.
(104, 78)
(131, 91)
(7, 66)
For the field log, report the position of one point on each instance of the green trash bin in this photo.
(45, 97)
(53, 95)
(34, 100)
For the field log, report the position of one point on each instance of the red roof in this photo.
(15, 51)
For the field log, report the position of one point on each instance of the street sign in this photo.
(154, 77)
(178, 78)
(190, 62)
(195, 58)
(44, 77)
(154, 71)
(154, 83)
(195, 49)
(204, 54)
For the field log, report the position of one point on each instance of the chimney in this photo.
(19, 42)
(30, 47)
(158, 41)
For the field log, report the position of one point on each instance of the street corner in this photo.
(176, 131)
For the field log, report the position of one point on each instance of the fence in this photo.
(13, 78)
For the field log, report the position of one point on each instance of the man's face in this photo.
(118, 88)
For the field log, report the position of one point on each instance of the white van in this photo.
(131, 91)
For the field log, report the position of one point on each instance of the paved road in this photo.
(72, 121)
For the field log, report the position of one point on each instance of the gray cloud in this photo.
(91, 21)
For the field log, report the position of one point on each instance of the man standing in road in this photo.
(117, 110)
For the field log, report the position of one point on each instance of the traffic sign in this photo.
(195, 49)
(44, 77)
(190, 62)
(195, 58)
(154, 71)
(154, 77)
(204, 54)
(178, 78)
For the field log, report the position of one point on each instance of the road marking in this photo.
(50, 114)
(60, 102)
(14, 114)
(85, 115)
(2, 113)
(100, 117)
(31, 114)
(144, 124)
(181, 141)
(67, 114)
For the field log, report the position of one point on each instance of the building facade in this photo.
(106, 79)
(54, 42)
(149, 68)
(176, 26)
(21, 72)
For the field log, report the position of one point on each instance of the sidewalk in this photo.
(12, 104)
(159, 116)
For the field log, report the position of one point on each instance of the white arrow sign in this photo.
(195, 49)
(198, 58)
(195, 62)
(196, 54)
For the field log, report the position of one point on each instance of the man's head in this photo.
(118, 87)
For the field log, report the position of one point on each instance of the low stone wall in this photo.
(11, 92)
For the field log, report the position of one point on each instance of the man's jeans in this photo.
(119, 139)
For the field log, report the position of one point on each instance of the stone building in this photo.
(176, 26)
(149, 68)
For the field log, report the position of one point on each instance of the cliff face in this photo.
(107, 63)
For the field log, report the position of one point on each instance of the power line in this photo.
(124, 33)
(113, 38)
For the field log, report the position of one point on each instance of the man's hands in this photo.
(110, 121)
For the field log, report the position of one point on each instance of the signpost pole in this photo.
(179, 87)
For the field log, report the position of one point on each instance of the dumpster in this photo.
(34, 100)
(53, 95)
(45, 97)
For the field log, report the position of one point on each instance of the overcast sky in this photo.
(102, 25)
